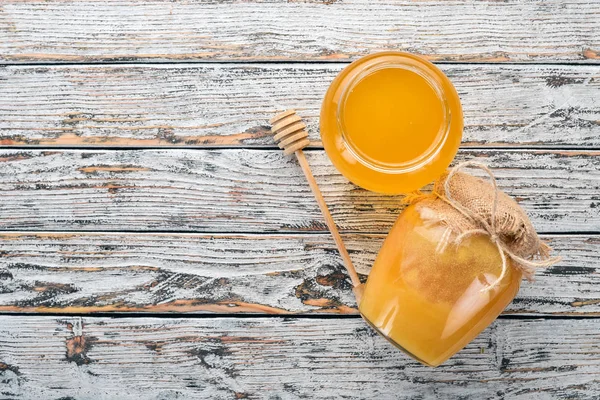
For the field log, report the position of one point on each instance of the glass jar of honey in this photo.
(391, 122)
(431, 300)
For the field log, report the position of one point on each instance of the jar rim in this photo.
(393, 178)
(441, 136)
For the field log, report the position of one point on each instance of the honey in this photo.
(431, 301)
(391, 122)
(392, 116)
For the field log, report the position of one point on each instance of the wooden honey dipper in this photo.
(291, 135)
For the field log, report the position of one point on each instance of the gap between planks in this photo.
(212, 63)
(310, 148)
(240, 233)
(175, 315)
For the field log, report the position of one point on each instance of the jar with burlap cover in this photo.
(468, 205)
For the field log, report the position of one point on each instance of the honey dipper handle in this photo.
(330, 224)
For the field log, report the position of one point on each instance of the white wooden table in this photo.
(148, 249)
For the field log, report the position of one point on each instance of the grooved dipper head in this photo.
(290, 132)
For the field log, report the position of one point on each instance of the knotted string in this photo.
(489, 228)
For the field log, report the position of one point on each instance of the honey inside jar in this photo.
(431, 301)
(392, 116)
(391, 122)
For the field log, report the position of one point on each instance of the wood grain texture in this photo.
(277, 274)
(229, 105)
(125, 30)
(239, 231)
(216, 358)
(258, 191)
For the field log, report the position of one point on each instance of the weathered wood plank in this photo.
(225, 358)
(228, 105)
(125, 30)
(186, 273)
(257, 191)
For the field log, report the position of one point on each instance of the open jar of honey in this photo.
(391, 122)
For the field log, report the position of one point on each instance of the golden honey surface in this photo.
(392, 116)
